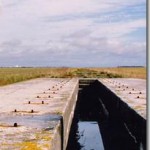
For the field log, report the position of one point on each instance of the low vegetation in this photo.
(126, 72)
(13, 75)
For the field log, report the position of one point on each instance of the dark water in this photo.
(95, 128)
(85, 135)
(89, 136)
(85, 131)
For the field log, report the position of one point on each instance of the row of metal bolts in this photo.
(32, 111)
(126, 87)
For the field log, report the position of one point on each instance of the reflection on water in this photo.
(97, 127)
(85, 135)
(89, 136)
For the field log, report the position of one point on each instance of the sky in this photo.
(72, 33)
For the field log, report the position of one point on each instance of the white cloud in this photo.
(118, 28)
(65, 27)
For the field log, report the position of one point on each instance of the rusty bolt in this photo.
(29, 102)
(49, 96)
(15, 124)
(38, 96)
(138, 97)
(49, 89)
(32, 111)
(129, 92)
(118, 86)
(15, 110)
(127, 87)
(42, 102)
(140, 93)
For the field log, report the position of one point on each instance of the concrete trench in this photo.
(121, 127)
(54, 124)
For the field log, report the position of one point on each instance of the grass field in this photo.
(13, 75)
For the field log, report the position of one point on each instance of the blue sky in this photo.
(73, 33)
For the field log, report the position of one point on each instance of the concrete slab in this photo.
(31, 113)
(132, 91)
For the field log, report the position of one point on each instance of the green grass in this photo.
(13, 75)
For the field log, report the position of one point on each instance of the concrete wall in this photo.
(68, 116)
(115, 108)
(60, 139)
(56, 142)
(112, 107)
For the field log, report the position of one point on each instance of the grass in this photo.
(13, 75)
(126, 72)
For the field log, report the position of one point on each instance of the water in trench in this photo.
(93, 128)
(89, 136)
(85, 132)
(85, 136)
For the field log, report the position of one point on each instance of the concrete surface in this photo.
(131, 91)
(42, 109)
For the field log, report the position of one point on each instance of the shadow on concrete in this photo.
(120, 126)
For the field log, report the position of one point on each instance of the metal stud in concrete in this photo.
(32, 91)
(136, 88)
(32, 111)
(15, 124)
